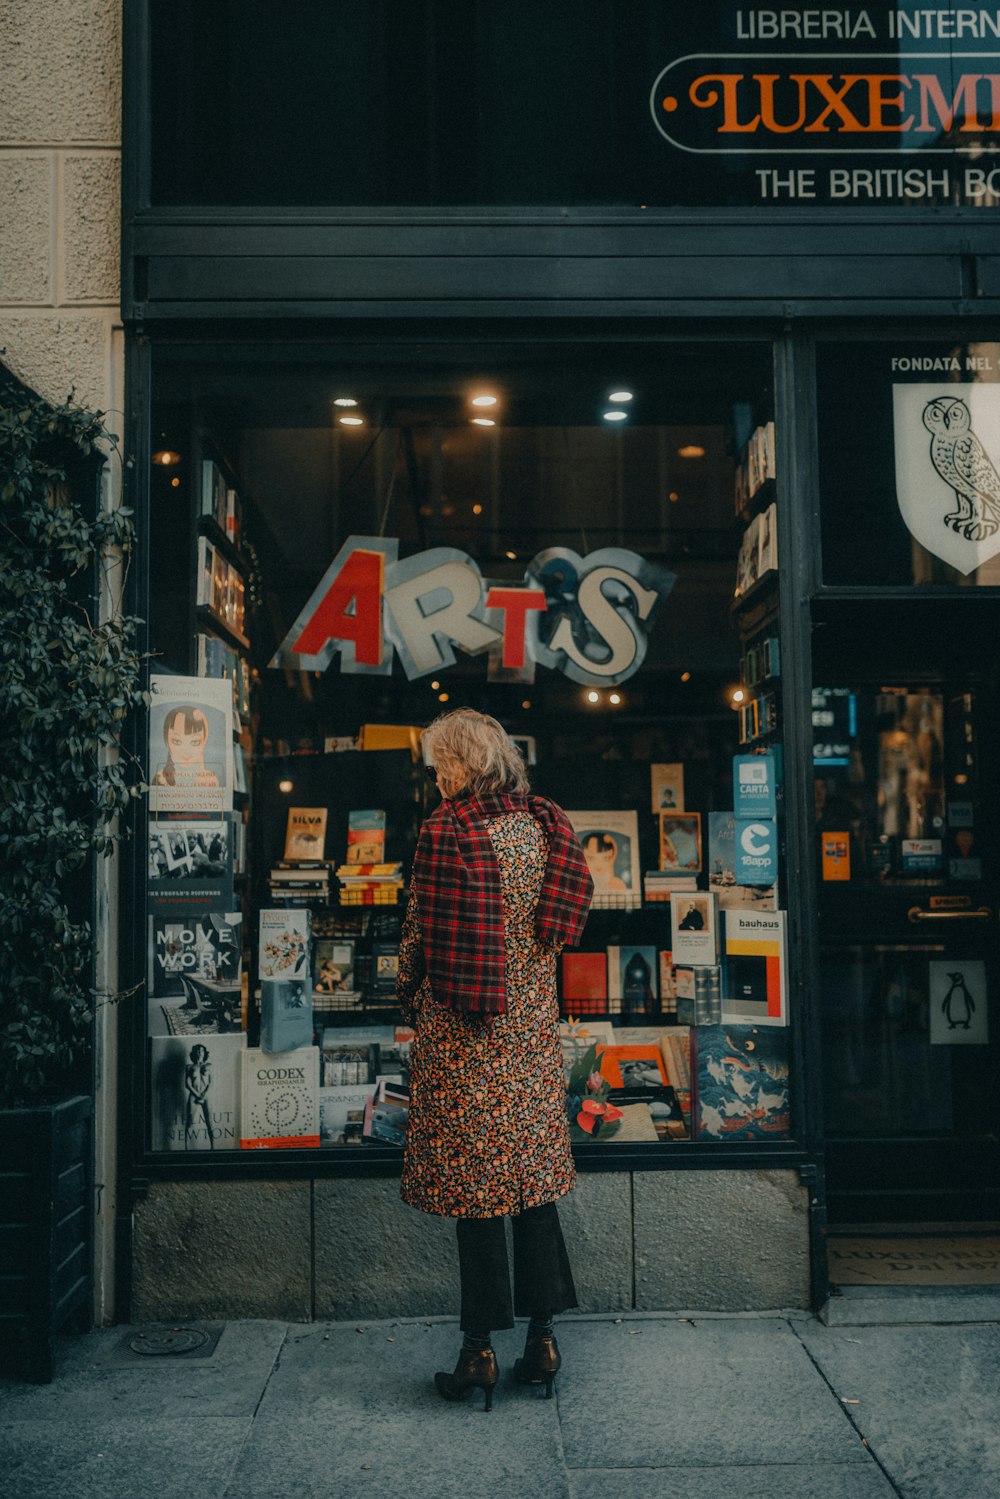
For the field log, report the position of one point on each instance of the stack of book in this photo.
(658, 883)
(370, 884)
(300, 882)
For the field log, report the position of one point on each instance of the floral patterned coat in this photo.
(488, 1134)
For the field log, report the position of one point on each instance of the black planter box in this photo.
(45, 1228)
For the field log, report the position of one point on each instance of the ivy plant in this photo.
(70, 674)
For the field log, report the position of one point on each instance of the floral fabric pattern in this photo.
(488, 1134)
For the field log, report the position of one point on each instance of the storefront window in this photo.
(581, 541)
(909, 447)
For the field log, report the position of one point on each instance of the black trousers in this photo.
(543, 1280)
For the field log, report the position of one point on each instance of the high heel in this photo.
(474, 1371)
(540, 1362)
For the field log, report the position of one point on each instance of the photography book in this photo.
(305, 834)
(347, 1063)
(280, 1102)
(633, 980)
(332, 966)
(195, 1092)
(385, 967)
(207, 947)
(190, 865)
(342, 1113)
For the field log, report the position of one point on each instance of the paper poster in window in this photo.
(959, 1002)
(667, 784)
(190, 745)
(610, 842)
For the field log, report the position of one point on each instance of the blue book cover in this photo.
(753, 786)
(741, 1080)
(285, 1014)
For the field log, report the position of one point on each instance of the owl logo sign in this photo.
(947, 440)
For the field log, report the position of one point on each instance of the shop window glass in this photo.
(909, 463)
(292, 506)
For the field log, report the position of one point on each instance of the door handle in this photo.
(917, 914)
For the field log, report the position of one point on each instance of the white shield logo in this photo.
(948, 469)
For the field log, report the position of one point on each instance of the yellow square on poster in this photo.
(836, 856)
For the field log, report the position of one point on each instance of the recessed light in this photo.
(165, 458)
(593, 697)
(620, 395)
(483, 421)
(737, 695)
(511, 556)
(435, 686)
(691, 450)
(344, 401)
(477, 509)
(616, 416)
(351, 421)
(175, 483)
(442, 697)
(685, 676)
(286, 786)
(484, 400)
(614, 698)
(526, 703)
(673, 497)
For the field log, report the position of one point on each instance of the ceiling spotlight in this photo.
(442, 697)
(175, 483)
(483, 421)
(593, 697)
(526, 703)
(691, 450)
(615, 416)
(673, 497)
(484, 400)
(286, 786)
(620, 396)
(344, 401)
(477, 509)
(737, 696)
(511, 556)
(614, 698)
(165, 458)
(351, 421)
(685, 676)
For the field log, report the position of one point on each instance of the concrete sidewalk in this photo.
(691, 1407)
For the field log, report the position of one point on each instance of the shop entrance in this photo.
(906, 718)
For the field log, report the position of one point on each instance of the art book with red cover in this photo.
(584, 983)
(632, 1066)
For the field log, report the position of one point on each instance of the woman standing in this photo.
(499, 886)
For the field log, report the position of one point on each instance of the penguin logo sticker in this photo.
(957, 998)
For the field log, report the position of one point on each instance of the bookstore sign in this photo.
(588, 617)
(854, 106)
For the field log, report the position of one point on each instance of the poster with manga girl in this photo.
(190, 745)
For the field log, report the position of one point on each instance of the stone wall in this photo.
(345, 1249)
(60, 331)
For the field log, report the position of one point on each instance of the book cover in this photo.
(584, 978)
(387, 1113)
(753, 786)
(342, 1114)
(680, 842)
(741, 1082)
(636, 1066)
(385, 967)
(693, 928)
(280, 1103)
(190, 745)
(213, 493)
(333, 966)
(755, 989)
(283, 951)
(190, 865)
(767, 541)
(305, 834)
(195, 1092)
(285, 1014)
(207, 947)
(351, 1062)
(610, 842)
(668, 985)
(667, 787)
(365, 836)
(633, 974)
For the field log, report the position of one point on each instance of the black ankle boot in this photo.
(540, 1362)
(474, 1371)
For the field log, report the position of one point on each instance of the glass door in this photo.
(906, 717)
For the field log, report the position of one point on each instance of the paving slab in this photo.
(688, 1394)
(927, 1402)
(123, 1458)
(92, 1383)
(357, 1414)
(773, 1481)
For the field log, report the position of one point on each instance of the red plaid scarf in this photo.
(456, 881)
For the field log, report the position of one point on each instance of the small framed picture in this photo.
(680, 842)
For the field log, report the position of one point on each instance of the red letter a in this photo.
(359, 581)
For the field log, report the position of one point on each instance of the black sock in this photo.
(476, 1341)
(540, 1325)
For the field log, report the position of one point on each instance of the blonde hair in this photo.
(474, 752)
